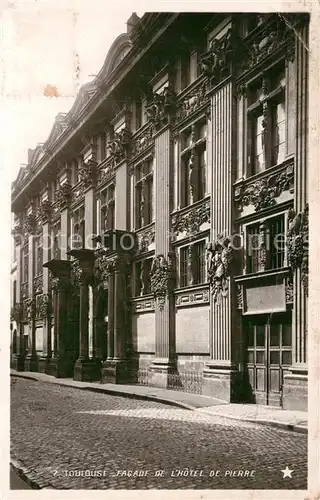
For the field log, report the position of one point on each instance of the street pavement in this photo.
(65, 438)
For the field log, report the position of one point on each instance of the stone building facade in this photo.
(161, 231)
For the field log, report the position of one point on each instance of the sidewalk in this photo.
(264, 415)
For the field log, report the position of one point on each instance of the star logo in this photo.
(287, 472)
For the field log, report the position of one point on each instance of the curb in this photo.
(269, 423)
(170, 402)
(22, 473)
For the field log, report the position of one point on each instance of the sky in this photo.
(49, 42)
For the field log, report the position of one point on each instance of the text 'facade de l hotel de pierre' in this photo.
(161, 231)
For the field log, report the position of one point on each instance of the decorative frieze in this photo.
(191, 221)
(262, 193)
(161, 108)
(145, 239)
(298, 243)
(195, 297)
(219, 259)
(270, 39)
(106, 172)
(142, 305)
(64, 196)
(38, 284)
(161, 278)
(192, 102)
(142, 141)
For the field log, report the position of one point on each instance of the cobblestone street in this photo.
(66, 438)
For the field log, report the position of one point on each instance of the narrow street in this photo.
(65, 438)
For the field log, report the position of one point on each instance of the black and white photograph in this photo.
(160, 188)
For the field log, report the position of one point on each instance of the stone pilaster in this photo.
(221, 374)
(295, 387)
(163, 364)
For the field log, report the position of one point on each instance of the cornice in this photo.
(94, 103)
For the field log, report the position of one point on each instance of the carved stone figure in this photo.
(161, 276)
(298, 243)
(219, 258)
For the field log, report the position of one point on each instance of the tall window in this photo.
(193, 164)
(192, 264)
(25, 262)
(38, 255)
(266, 245)
(56, 250)
(14, 292)
(142, 277)
(266, 121)
(108, 208)
(185, 71)
(78, 228)
(144, 193)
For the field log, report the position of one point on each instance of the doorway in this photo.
(268, 340)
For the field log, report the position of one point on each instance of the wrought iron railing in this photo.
(186, 381)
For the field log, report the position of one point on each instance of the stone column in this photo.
(221, 374)
(163, 364)
(115, 367)
(85, 368)
(60, 365)
(295, 387)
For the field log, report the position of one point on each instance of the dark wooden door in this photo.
(268, 355)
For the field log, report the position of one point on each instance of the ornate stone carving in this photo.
(81, 273)
(87, 173)
(161, 108)
(45, 211)
(263, 192)
(59, 283)
(30, 224)
(298, 243)
(43, 306)
(17, 229)
(24, 292)
(104, 265)
(216, 62)
(64, 196)
(161, 278)
(192, 297)
(289, 290)
(120, 145)
(239, 296)
(192, 102)
(191, 221)
(270, 39)
(30, 309)
(143, 305)
(142, 142)
(145, 239)
(38, 284)
(106, 172)
(219, 260)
